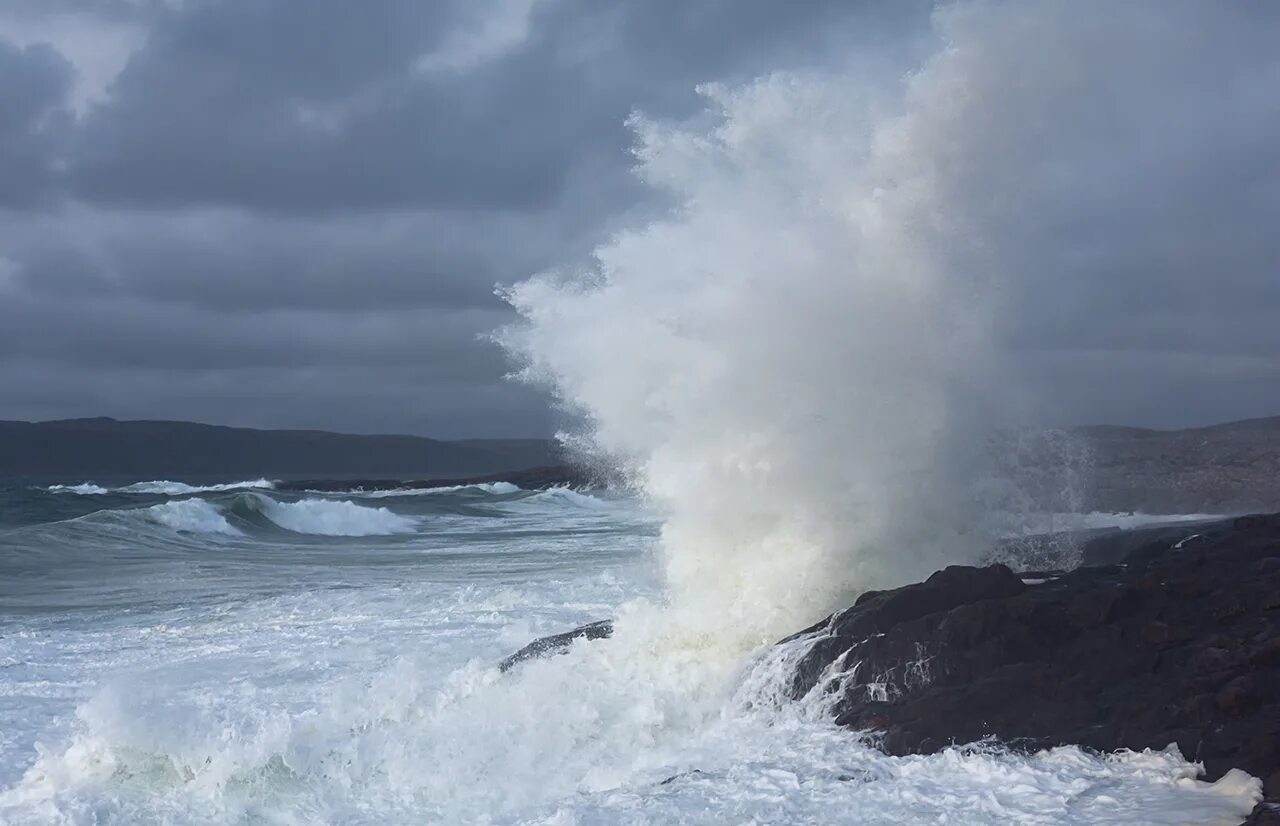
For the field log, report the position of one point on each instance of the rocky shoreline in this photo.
(1176, 640)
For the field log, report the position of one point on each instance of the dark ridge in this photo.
(103, 447)
(1177, 642)
(1226, 468)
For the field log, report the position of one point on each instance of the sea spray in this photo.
(788, 363)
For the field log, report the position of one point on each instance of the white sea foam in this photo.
(567, 497)
(84, 489)
(327, 517)
(191, 516)
(497, 488)
(167, 488)
(588, 737)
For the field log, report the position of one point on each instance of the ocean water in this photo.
(235, 654)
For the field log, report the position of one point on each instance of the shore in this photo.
(1175, 640)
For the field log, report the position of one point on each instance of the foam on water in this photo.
(191, 516)
(497, 488)
(328, 517)
(83, 489)
(166, 488)
(566, 497)
(162, 488)
(394, 739)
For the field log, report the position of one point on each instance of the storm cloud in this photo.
(294, 212)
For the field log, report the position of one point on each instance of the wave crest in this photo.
(191, 516)
(83, 489)
(164, 487)
(496, 488)
(326, 517)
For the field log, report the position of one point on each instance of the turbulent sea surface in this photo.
(177, 653)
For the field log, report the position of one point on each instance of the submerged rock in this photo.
(558, 643)
(1179, 644)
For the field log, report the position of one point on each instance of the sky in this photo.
(294, 213)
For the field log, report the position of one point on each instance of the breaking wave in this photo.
(167, 488)
(497, 488)
(83, 489)
(327, 517)
(162, 487)
(191, 516)
(567, 497)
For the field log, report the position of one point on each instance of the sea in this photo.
(254, 653)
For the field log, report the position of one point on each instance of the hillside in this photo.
(87, 448)
(1224, 468)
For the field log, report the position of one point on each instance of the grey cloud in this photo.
(33, 121)
(358, 399)
(231, 261)
(152, 334)
(282, 214)
(319, 104)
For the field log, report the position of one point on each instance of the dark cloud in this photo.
(295, 211)
(327, 104)
(33, 121)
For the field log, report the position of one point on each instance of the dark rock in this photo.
(1160, 634)
(1172, 647)
(1265, 814)
(1236, 697)
(1266, 653)
(673, 778)
(946, 589)
(558, 643)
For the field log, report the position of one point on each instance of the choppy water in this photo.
(174, 653)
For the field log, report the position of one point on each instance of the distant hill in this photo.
(102, 447)
(1223, 468)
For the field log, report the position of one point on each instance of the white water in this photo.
(83, 489)
(191, 515)
(327, 517)
(167, 488)
(162, 488)
(788, 364)
(309, 690)
(484, 487)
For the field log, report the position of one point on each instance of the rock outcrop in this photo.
(558, 643)
(1178, 643)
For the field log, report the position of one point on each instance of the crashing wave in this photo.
(83, 489)
(191, 516)
(162, 487)
(167, 488)
(568, 497)
(327, 517)
(496, 488)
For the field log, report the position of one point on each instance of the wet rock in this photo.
(673, 778)
(1236, 697)
(1172, 646)
(558, 643)
(1266, 814)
